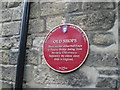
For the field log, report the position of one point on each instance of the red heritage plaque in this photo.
(66, 48)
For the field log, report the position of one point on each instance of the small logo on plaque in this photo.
(65, 29)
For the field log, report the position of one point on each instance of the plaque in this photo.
(65, 48)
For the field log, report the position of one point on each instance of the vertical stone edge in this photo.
(118, 12)
(0, 41)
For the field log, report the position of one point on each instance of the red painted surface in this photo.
(65, 51)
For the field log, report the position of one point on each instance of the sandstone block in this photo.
(35, 10)
(106, 82)
(17, 13)
(98, 59)
(13, 57)
(36, 26)
(38, 41)
(5, 56)
(32, 57)
(52, 22)
(6, 43)
(98, 5)
(8, 73)
(101, 20)
(43, 74)
(52, 8)
(104, 39)
(13, 4)
(11, 28)
(7, 15)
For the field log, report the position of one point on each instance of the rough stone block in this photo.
(13, 57)
(29, 41)
(72, 6)
(7, 15)
(11, 28)
(32, 57)
(6, 85)
(28, 73)
(109, 72)
(0, 57)
(118, 72)
(44, 75)
(104, 39)
(5, 56)
(17, 13)
(118, 82)
(119, 10)
(97, 59)
(4, 5)
(52, 8)
(36, 26)
(8, 73)
(38, 41)
(35, 10)
(13, 4)
(52, 22)
(101, 20)
(0, 29)
(15, 40)
(43, 60)
(6, 43)
(98, 5)
(106, 82)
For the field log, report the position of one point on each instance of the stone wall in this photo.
(98, 19)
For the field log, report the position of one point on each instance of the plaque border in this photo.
(47, 35)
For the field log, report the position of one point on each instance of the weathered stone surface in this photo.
(43, 74)
(29, 41)
(109, 72)
(38, 41)
(119, 11)
(102, 20)
(106, 82)
(8, 73)
(7, 14)
(104, 39)
(118, 86)
(11, 28)
(6, 43)
(17, 13)
(28, 73)
(0, 57)
(72, 6)
(4, 5)
(51, 8)
(34, 10)
(118, 72)
(32, 57)
(98, 59)
(51, 22)
(98, 5)
(13, 4)
(15, 41)
(5, 56)
(6, 85)
(36, 26)
(43, 60)
(0, 29)
(13, 57)
(55, 8)
(75, 79)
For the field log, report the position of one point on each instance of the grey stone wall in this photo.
(98, 19)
